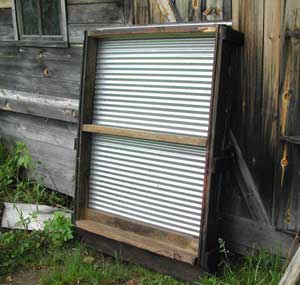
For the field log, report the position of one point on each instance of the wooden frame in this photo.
(39, 40)
(116, 230)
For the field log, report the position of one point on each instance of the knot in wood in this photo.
(46, 72)
(284, 162)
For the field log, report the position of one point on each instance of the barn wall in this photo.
(39, 90)
(266, 126)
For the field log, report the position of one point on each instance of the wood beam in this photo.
(248, 187)
(138, 241)
(59, 108)
(292, 274)
(236, 14)
(243, 235)
(132, 254)
(131, 133)
(183, 241)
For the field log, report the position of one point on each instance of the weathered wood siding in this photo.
(39, 87)
(266, 121)
(39, 90)
(288, 161)
(6, 25)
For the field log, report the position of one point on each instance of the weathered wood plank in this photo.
(101, 13)
(41, 70)
(76, 31)
(70, 55)
(86, 111)
(243, 235)
(128, 12)
(183, 7)
(69, 2)
(38, 85)
(291, 275)
(227, 9)
(271, 78)
(249, 188)
(249, 115)
(40, 129)
(288, 160)
(6, 32)
(190, 140)
(61, 71)
(57, 168)
(236, 5)
(5, 16)
(141, 12)
(40, 105)
(45, 63)
(203, 28)
(168, 11)
(172, 238)
(155, 14)
(180, 270)
(138, 241)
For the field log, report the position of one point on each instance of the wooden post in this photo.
(236, 14)
(182, 7)
(141, 12)
(128, 11)
(292, 273)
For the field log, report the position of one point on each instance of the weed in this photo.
(78, 266)
(20, 247)
(17, 248)
(74, 271)
(16, 186)
(59, 229)
(258, 268)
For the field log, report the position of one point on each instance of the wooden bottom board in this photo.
(129, 253)
(139, 241)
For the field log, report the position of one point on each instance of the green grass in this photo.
(259, 268)
(78, 265)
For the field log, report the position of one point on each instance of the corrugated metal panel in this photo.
(155, 84)
(153, 182)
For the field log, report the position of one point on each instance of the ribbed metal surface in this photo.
(152, 182)
(155, 84)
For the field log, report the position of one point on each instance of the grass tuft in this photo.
(260, 268)
(79, 266)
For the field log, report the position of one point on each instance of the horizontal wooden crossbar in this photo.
(156, 136)
(170, 244)
(156, 30)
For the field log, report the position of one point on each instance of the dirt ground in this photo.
(25, 277)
